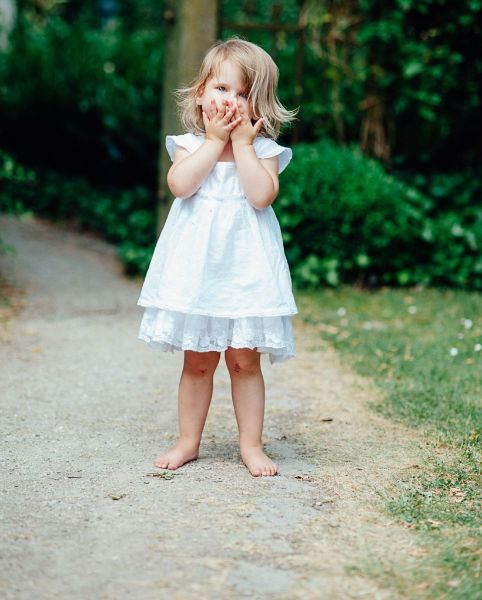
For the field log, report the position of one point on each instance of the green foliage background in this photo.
(79, 108)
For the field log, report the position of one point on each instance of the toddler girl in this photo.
(218, 279)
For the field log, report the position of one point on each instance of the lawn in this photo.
(423, 348)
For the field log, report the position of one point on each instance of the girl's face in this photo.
(227, 85)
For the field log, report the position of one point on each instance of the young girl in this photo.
(218, 279)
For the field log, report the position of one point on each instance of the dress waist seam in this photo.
(220, 198)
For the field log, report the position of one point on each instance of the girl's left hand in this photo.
(245, 131)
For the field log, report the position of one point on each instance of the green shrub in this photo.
(344, 220)
(456, 224)
(17, 185)
(83, 101)
(126, 218)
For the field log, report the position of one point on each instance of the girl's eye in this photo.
(223, 89)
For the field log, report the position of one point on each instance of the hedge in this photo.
(343, 219)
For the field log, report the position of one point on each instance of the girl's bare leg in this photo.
(247, 388)
(194, 398)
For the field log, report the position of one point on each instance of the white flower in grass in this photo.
(467, 323)
(341, 311)
(478, 347)
(412, 309)
(453, 351)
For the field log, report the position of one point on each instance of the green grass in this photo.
(422, 348)
(403, 339)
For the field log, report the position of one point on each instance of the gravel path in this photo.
(85, 409)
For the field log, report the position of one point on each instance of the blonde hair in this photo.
(260, 75)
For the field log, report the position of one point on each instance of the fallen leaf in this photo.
(305, 477)
(327, 328)
(423, 586)
(456, 494)
(161, 474)
(319, 503)
(434, 524)
(418, 552)
(117, 496)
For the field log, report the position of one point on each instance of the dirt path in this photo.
(86, 407)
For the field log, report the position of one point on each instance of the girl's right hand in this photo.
(218, 124)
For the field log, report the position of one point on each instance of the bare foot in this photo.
(257, 462)
(177, 456)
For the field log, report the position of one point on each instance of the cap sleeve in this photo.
(266, 148)
(184, 141)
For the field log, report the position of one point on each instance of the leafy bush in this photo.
(344, 219)
(126, 218)
(83, 101)
(457, 226)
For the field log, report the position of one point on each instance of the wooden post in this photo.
(8, 18)
(193, 26)
(276, 20)
(300, 67)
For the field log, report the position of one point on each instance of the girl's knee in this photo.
(242, 361)
(201, 363)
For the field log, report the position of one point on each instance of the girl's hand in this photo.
(218, 124)
(244, 131)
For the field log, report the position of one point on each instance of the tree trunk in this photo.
(8, 17)
(194, 27)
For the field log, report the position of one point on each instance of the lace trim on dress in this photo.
(170, 330)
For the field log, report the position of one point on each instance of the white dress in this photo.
(218, 276)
